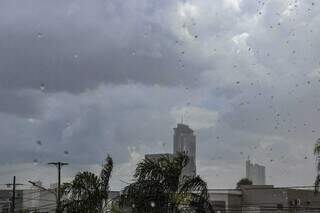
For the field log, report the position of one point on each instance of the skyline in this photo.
(80, 79)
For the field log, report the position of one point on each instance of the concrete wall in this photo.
(226, 201)
(264, 200)
(268, 200)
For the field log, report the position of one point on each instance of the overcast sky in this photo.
(80, 79)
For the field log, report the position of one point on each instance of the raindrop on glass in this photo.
(35, 161)
(152, 204)
(42, 87)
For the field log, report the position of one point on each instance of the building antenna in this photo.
(181, 119)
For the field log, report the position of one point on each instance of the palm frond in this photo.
(316, 149)
(195, 185)
(148, 169)
(106, 173)
(200, 204)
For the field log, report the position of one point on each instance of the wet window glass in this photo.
(159, 106)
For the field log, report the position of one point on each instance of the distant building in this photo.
(256, 173)
(185, 141)
(264, 199)
(28, 199)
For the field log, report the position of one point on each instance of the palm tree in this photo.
(160, 187)
(316, 152)
(88, 193)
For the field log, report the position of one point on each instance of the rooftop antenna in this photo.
(181, 119)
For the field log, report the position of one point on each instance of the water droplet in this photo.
(39, 143)
(238, 82)
(39, 35)
(196, 36)
(152, 204)
(75, 56)
(66, 152)
(35, 161)
(42, 87)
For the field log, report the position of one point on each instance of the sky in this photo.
(82, 79)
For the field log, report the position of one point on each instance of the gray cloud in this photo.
(119, 76)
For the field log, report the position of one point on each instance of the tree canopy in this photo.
(244, 181)
(160, 187)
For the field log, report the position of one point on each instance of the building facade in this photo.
(256, 173)
(184, 140)
(264, 199)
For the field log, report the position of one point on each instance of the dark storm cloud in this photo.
(21, 103)
(118, 76)
(75, 45)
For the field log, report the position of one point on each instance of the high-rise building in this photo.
(185, 141)
(256, 173)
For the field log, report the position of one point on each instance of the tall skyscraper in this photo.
(185, 141)
(256, 173)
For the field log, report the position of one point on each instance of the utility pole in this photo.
(59, 165)
(13, 198)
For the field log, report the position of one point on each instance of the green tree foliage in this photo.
(160, 187)
(88, 193)
(244, 182)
